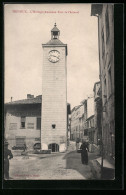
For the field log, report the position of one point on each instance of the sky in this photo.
(27, 27)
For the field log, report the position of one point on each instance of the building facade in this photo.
(54, 90)
(69, 126)
(85, 127)
(73, 123)
(22, 121)
(77, 122)
(80, 120)
(91, 129)
(90, 118)
(97, 113)
(105, 14)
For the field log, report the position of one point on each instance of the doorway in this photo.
(53, 147)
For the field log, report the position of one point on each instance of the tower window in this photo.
(55, 35)
(53, 126)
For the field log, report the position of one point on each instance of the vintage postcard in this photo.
(59, 110)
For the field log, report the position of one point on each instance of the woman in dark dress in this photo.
(84, 153)
(7, 153)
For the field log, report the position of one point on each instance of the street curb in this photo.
(95, 168)
(46, 155)
(106, 174)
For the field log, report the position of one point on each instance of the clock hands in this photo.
(54, 56)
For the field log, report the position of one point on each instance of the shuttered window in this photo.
(13, 126)
(20, 142)
(23, 119)
(38, 123)
(30, 126)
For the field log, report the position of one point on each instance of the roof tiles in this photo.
(54, 42)
(35, 100)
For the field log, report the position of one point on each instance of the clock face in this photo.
(54, 56)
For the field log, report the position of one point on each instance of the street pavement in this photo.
(55, 166)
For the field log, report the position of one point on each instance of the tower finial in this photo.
(55, 24)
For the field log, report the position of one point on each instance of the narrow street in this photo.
(50, 166)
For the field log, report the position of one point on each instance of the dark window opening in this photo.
(55, 34)
(110, 81)
(38, 123)
(103, 44)
(85, 132)
(23, 119)
(22, 124)
(105, 89)
(53, 147)
(107, 24)
(53, 126)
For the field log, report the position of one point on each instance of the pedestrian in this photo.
(77, 143)
(7, 153)
(84, 153)
(25, 147)
(100, 147)
(80, 143)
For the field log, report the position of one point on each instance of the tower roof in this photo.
(55, 32)
(54, 42)
(55, 29)
(35, 100)
(55, 37)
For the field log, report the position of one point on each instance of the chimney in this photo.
(29, 96)
(11, 99)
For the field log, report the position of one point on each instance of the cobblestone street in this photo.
(50, 166)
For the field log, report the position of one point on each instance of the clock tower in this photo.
(54, 94)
